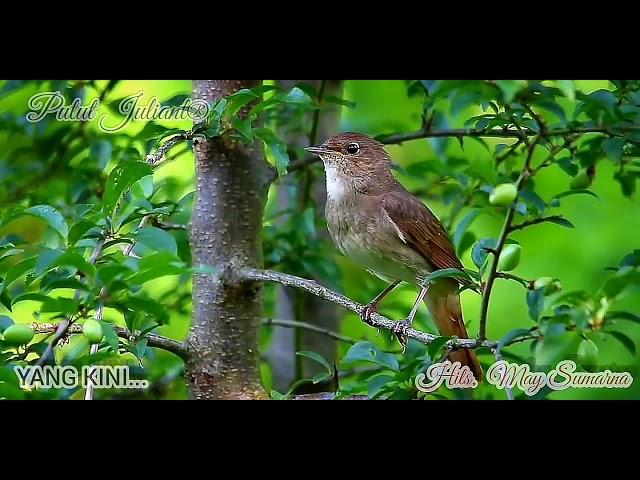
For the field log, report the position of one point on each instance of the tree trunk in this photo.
(226, 233)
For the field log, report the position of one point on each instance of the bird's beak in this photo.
(318, 150)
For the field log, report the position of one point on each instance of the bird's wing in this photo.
(420, 229)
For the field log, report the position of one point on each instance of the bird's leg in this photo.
(400, 328)
(372, 306)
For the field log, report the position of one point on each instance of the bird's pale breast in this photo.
(363, 232)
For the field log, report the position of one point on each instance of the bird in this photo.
(376, 222)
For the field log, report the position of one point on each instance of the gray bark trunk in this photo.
(226, 233)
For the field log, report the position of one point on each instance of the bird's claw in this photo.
(365, 316)
(400, 330)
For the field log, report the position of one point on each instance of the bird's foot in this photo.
(369, 310)
(400, 330)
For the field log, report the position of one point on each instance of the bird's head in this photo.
(353, 154)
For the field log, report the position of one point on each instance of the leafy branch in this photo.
(158, 341)
(63, 327)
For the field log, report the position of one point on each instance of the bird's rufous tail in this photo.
(443, 302)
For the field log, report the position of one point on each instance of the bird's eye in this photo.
(353, 148)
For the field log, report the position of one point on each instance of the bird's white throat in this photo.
(335, 181)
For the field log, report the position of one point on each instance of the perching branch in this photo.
(377, 320)
(156, 341)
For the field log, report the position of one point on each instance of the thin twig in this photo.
(309, 327)
(499, 133)
(535, 221)
(502, 239)
(161, 224)
(94, 349)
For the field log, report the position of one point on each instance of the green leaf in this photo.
(275, 395)
(368, 352)
(512, 335)
(12, 252)
(510, 88)
(628, 183)
(277, 148)
(101, 152)
(568, 88)
(615, 286)
(483, 168)
(51, 216)
(569, 193)
(46, 258)
(553, 348)
(152, 308)
(239, 99)
(435, 346)
(623, 316)
(66, 306)
(296, 95)
(625, 341)
(121, 178)
(479, 254)
(446, 273)
(535, 303)
(144, 276)
(72, 259)
(30, 297)
(533, 199)
(463, 227)
(318, 358)
(157, 239)
(243, 127)
(5, 322)
(563, 222)
(111, 336)
(17, 271)
(321, 377)
(614, 147)
(377, 383)
(631, 260)
(143, 188)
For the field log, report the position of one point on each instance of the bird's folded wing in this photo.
(420, 229)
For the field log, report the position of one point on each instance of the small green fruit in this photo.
(18, 334)
(581, 181)
(553, 287)
(550, 285)
(503, 195)
(588, 354)
(510, 257)
(92, 331)
(542, 282)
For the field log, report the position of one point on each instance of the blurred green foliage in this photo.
(63, 183)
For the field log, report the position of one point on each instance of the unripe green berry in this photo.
(503, 195)
(509, 258)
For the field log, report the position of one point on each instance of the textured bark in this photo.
(285, 366)
(226, 233)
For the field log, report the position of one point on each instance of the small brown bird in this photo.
(377, 223)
